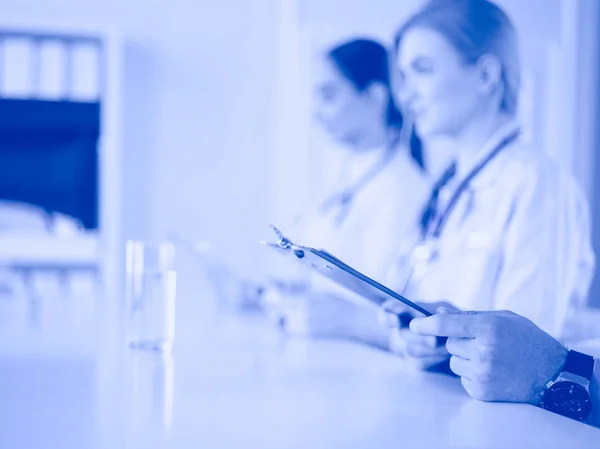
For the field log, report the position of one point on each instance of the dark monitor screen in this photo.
(49, 156)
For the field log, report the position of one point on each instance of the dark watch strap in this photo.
(580, 364)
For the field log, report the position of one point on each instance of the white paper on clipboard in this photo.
(342, 274)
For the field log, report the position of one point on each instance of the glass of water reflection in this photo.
(150, 295)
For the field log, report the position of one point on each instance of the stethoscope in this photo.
(432, 223)
(343, 200)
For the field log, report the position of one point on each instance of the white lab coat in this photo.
(383, 214)
(518, 239)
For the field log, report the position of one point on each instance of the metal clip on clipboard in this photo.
(336, 270)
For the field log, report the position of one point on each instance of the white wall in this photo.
(589, 92)
(198, 108)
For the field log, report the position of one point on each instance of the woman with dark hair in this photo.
(382, 180)
(375, 203)
(355, 101)
(377, 200)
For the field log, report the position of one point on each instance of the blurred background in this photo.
(201, 111)
(155, 119)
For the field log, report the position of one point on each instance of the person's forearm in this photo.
(595, 394)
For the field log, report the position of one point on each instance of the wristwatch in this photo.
(569, 394)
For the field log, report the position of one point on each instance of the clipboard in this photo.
(341, 273)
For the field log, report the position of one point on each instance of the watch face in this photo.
(568, 399)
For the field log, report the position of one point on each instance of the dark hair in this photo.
(363, 62)
(475, 28)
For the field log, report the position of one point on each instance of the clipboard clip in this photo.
(283, 244)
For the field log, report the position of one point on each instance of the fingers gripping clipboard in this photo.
(333, 268)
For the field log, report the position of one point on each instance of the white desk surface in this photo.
(232, 381)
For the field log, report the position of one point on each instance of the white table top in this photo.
(232, 381)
